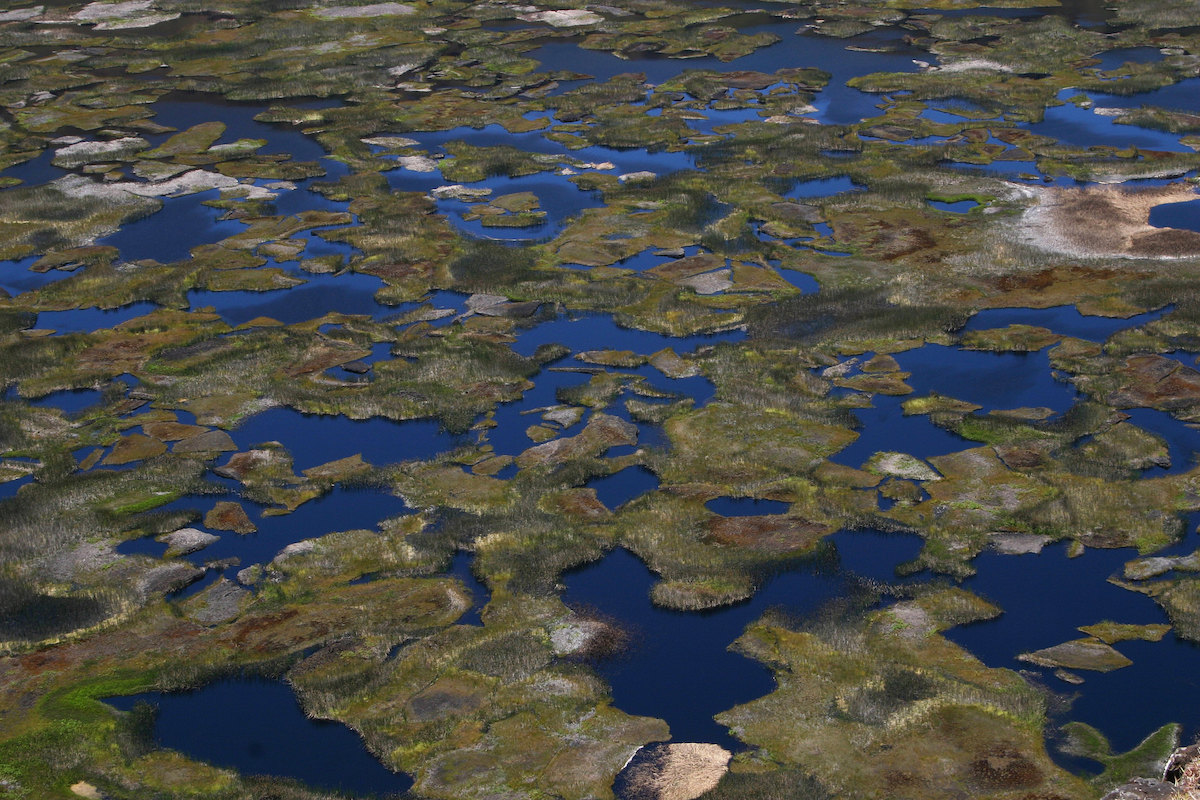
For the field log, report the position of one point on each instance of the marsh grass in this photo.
(842, 314)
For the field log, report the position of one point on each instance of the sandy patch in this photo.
(120, 16)
(22, 14)
(1108, 221)
(563, 19)
(196, 180)
(972, 65)
(373, 10)
(679, 771)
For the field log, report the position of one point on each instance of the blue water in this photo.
(257, 727)
(822, 187)
(92, 319)
(347, 293)
(1183, 442)
(745, 506)
(836, 104)
(884, 427)
(642, 261)
(996, 381)
(16, 277)
(956, 207)
(10, 488)
(168, 235)
(1115, 59)
(993, 380)
(182, 113)
(460, 567)
(677, 667)
(37, 170)
(582, 331)
(1182, 96)
(801, 280)
(1185, 216)
(1080, 127)
(1046, 597)
(621, 487)
(340, 509)
(1065, 320)
(69, 401)
(315, 439)
(557, 195)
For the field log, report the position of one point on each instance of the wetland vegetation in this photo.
(468, 399)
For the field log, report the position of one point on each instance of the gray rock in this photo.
(1017, 544)
(167, 578)
(250, 575)
(210, 442)
(218, 603)
(1142, 789)
(185, 541)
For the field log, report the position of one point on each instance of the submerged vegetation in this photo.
(334, 338)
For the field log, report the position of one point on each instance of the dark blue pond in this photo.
(643, 260)
(1081, 127)
(460, 567)
(256, 726)
(1185, 216)
(69, 401)
(621, 487)
(16, 277)
(169, 234)
(956, 207)
(183, 111)
(993, 380)
(885, 427)
(1115, 59)
(582, 331)
(558, 197)
(996, 381)
(10, 488)
(1046, 597)
(1183, 442)
(315, 439)
(1065, 320)
(801, 280)
(340, 509)
(822, 187)
(745, 506)
(37, 170)
(678, 667)
(348, 293)
(1182, 96)
(836, 104)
